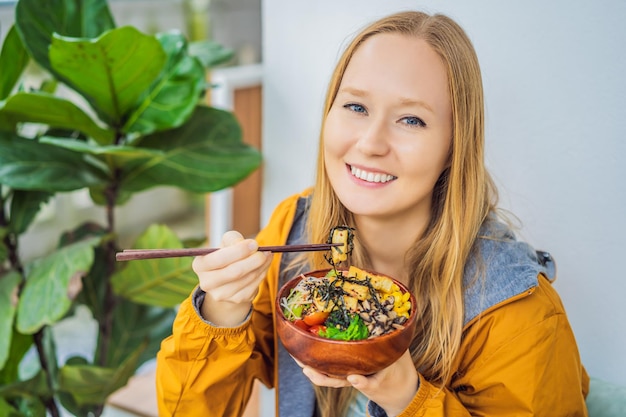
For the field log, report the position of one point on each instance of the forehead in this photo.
(399, 65)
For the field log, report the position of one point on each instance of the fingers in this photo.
(322, 380)
(231, 237)
(234, 248)
(392, 388)
(234, 272)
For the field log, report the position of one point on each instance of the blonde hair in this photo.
(463, 197)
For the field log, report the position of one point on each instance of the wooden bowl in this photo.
(339, 358)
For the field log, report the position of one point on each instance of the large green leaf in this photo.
(159, 282)
(37, 20)
(136, 324)
(112, 71)
(13, 60)
(54, 111)
(9, 286)
(68, 400)
(121, 153)
(172, 98)
(205, 154)
(51, 283)
(24, 207)
(210, 53)
(90, 384)
(26, 164)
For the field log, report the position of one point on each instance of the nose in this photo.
(373, 139)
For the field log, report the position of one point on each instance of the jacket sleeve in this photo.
(518, 359)
(203, 370)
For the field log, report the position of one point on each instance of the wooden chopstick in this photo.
(137, 254)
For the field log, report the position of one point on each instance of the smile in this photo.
(371, 176)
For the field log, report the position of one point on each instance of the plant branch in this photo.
(49, 402)
(10, 240)
(106, 325)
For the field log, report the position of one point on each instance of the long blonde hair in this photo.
(463, 197)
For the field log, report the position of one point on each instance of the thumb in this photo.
(359, 382)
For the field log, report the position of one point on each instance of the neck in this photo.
(387, 242)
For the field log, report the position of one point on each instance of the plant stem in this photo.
(106, 326)
(49, 402)
(10, 240)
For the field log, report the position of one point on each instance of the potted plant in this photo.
(119, 112)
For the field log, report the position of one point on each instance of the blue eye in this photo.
(357, 108)
(413, 121)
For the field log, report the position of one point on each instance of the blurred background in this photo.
(556, 111)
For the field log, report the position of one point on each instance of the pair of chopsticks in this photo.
(137, 254)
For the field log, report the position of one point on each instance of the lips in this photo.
(370, 176)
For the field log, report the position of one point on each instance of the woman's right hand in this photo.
(230, 277)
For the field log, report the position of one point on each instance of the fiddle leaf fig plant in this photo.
(116, 112)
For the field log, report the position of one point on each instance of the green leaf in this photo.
(37, 20)
(13, 61)
(24, 207)
(95, 284)
(158, 282)
(121, 153)
(136, 324)
(9, 287)
(7, 410)
(26, 164)
(171, 100)
(35, 386)
(98, 196)
(205, 154)
(90, 384)
(111, 71)
(48, 354)
(51, 285)
(210, 53)
(54, 111)
(20, 344)
(93, 294)
(84, 231)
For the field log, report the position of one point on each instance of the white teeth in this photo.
(370, 176)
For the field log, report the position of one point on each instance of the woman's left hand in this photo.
(392, 388)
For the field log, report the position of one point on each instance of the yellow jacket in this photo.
(518, 358)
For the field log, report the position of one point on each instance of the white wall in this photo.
(554, 76)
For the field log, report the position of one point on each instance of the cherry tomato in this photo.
(317, 317)
(317, 328)
(301, 324)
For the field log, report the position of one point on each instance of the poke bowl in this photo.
(356, 321)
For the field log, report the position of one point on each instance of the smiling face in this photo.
(388, 133)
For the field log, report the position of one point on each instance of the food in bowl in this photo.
(343, 235)
(347, 305)
(333, 356)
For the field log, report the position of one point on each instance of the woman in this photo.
(400, 160)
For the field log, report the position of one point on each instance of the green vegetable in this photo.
(293, 305)
(331, 273)
(357, 330)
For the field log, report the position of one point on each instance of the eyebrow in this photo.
(404, 101)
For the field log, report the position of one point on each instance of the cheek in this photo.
(336, 138)
(422, 157)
